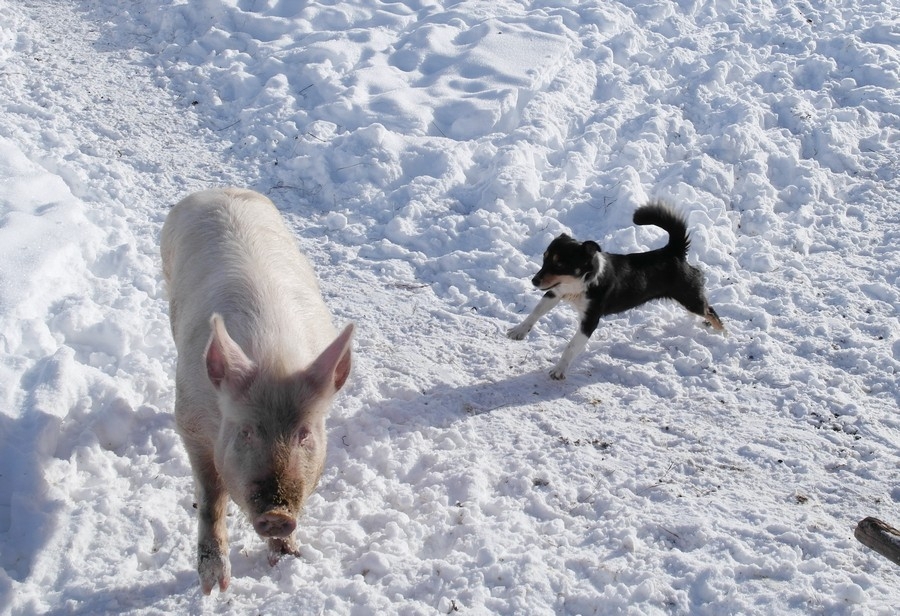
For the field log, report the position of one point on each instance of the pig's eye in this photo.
(247, 433)
(303, 436)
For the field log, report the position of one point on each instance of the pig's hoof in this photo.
(279, 546)
(214, 569)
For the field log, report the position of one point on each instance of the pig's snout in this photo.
(274, 524)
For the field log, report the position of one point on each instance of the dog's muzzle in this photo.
(541, 282)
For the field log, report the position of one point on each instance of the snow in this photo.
(425, 153)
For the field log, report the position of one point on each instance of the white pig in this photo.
(259, 362)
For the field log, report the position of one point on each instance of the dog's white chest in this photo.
(577, 300)
(572, 292)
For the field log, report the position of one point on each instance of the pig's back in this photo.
(228, 251)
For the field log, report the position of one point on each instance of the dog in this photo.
(598, 283)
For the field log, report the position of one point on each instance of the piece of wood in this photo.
(882, 538)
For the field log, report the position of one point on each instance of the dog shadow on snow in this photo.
(535, 387)
(442, 405)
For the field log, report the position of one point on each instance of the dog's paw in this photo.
(518, 332)
(558, 374)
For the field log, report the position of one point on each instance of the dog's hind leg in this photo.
(693, 297)
(713, 319)
(695, 302)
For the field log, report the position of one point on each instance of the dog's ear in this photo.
(591, 247)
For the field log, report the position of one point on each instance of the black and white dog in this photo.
(599, 283)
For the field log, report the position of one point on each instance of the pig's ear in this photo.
(226, 364)
(334, 363)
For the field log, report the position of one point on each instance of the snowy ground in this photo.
(425, 154)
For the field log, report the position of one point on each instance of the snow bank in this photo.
(425, 154)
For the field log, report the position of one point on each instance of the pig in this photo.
(259, 363)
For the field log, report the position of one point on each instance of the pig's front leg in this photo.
(279, 546)
(213, 564)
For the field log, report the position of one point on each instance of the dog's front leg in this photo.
(575, 347)
(544, 306)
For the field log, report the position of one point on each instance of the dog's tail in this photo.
(663, 216)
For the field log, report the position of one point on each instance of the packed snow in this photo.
(424, 153)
